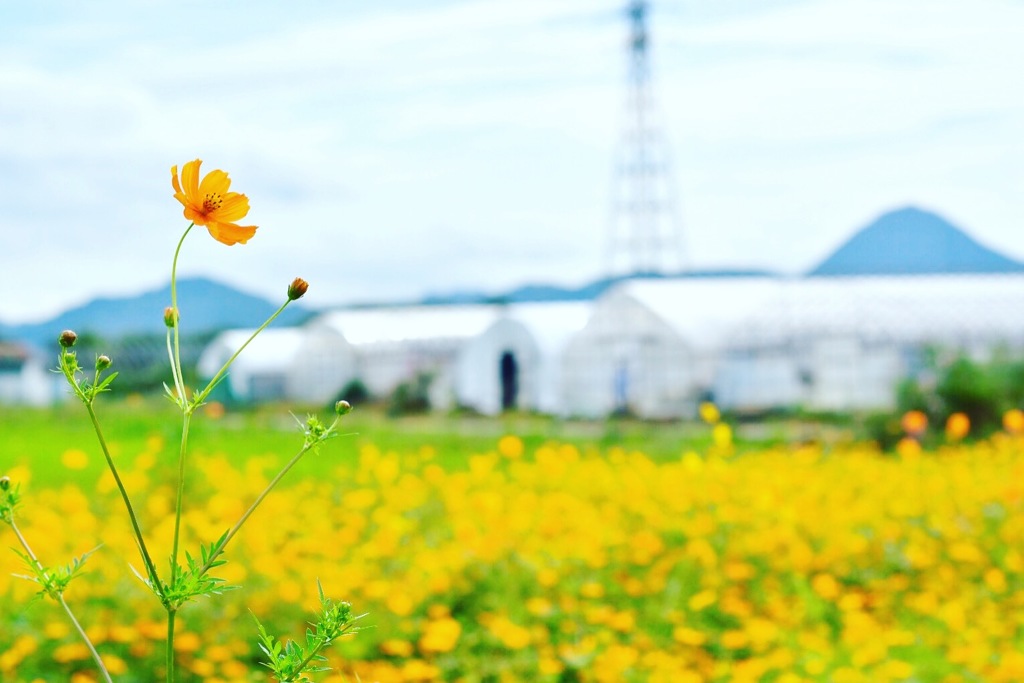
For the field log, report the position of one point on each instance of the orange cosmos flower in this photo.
(957, 426)
(209, 203)
(1013, 421)
(914, 422)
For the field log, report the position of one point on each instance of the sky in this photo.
(395, 149)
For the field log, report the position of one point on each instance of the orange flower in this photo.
(209, 203)
(1013, 421)
(957, 426)
(914, 422)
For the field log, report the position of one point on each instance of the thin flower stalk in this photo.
(259, 499)
(201, 396)
(64, 605)
(170, 644)
(179, 389)
(136, 528)
(186, 422)
(183, 403)
(69, 367)
(179, 380)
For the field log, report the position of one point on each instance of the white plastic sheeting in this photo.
(651, 346)
(843, 343)
(304, 364)
(476, 355)
(552, 325)
(656, 347)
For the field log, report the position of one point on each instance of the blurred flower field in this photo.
(558, 562)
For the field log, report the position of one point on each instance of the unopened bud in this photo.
(5, 483)
(343, 407)
(67, 339)
(103, 362)
(297, 288)
(170, 317)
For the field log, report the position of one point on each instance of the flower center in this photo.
(212, 202)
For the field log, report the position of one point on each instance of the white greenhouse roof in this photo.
(366, 326)
(718, 312)
(704, 311)
(913, 309)
(272, 349)
(552, 323)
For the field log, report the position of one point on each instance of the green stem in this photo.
(150, 567)
(220, 373)
(252, 508)
(67, 610)
(170, 645)
(305, 662)
(174, 372)
(179, 379)
(88, 643)
(179, 383)
(186, 420)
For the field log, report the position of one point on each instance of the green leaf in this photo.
(333, 621)
(54, 581)
(103, 386)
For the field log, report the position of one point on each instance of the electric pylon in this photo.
(645, 233)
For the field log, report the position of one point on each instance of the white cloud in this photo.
(400, 148)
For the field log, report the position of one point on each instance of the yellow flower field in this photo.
(558, 564)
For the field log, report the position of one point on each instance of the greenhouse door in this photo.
(509, 381)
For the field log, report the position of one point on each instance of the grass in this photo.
(30, 436)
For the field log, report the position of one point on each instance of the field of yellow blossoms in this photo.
(555, 563)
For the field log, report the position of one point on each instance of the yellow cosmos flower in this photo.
(209, 203)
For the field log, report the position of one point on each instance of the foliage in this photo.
(982, 391)
(142, 358)
(52, 581)
(355, 392)
(292, 661)
(411, 397)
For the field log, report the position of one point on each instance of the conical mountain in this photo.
(911, 241)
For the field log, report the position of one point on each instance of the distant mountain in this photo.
(911, 241)
(205, 306)
(588, 292)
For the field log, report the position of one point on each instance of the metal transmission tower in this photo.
(645, 230)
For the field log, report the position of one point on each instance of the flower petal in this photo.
(230, 233)
(233, 208)
(215, 182)
(174, 181)
(190, 179)
(195, 215)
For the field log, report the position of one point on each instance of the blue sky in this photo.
(398, 148)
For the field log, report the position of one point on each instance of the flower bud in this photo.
(170, 317)
(297, 288)
(67, 339)
(343, 407)
(103, 362)
(5, 483)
